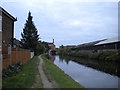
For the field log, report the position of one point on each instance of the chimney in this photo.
(53, 41)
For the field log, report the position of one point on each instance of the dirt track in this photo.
(45, 81)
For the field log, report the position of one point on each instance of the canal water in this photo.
(87, 76)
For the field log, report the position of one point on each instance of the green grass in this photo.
(63, 80)
(26, 78)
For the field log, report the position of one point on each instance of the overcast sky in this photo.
(68, 22)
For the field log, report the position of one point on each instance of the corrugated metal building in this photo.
(112, 43)
(106, 44)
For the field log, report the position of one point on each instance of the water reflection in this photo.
(112, 68)
(86, 76)
(64, 59)
(51, 58)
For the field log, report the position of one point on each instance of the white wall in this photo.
(31, 54)
(0, 23)
(0, 51)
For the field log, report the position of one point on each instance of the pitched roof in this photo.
(90, 43)
(6, 13)
(111, 40)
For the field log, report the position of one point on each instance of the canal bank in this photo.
(109, 67)
(110, 55)
(54, 73)
(86, 76)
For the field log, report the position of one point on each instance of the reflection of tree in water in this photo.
(64, 58)
(105, 66)
(61, 58)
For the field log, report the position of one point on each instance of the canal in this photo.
(89, 73)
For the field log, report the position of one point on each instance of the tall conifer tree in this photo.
(30, 35)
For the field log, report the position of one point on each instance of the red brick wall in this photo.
(7, 29)
(52, 46)
(0, 43)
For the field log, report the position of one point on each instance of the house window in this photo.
(0, 23)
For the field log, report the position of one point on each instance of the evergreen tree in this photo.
(30, 35)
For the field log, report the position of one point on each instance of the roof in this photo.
(50, 43)
(111, 40)
(90, 43)
(6, 13)
(71, 46)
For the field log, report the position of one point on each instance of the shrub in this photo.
(103, 55)
(12, 70)
(113, 57)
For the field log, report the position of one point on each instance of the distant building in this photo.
(90, 43)
(106, 44)
(51, 45)
(52, 50)
(71, 46)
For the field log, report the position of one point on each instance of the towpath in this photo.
(45, 81)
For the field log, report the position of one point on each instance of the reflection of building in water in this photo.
(52, 58)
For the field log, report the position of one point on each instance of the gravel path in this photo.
(46, 83)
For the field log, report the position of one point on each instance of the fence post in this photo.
(21, 56)
(16, 55)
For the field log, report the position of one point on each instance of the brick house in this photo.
(7, 31)
(10, 51)
(52, 49)
(51, 45)
(0, 50)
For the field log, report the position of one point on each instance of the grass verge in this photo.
(62, 79)
(26, 78)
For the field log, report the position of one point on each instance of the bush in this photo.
(103, 55)
(94, 56)
(113, 57)
(12, 70)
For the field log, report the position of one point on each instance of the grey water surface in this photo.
(86, 76)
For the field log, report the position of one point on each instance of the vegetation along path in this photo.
(45, 81)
